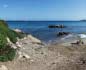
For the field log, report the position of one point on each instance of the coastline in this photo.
(40, 29)
(33, 54)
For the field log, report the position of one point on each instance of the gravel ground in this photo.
(51, 57)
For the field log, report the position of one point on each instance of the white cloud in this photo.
(5, 6)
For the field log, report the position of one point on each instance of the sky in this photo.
(42, 9)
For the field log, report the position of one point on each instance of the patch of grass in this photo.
(6, 52)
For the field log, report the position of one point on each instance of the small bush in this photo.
(11, 54)
(3, 41)
(3, 58)
(7, 55)
(6, 52)
(2, 22)
(12, 36)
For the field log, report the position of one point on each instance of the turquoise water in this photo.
(40, 28)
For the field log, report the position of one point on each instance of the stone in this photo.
(18, 44)
(57, 26)
(32, 60)
(26, 56)
(33, 39)
(3, 67)
(11, 44)
(20, 54)
(62, 33)
(23, 55)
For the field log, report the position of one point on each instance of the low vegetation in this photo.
(6, 52)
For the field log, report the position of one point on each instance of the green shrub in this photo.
(2, 22)
(12, 36)
(4, 29)
(6, 52)
(3, 41)
(3, 58)
(7, 55)
(11, 54)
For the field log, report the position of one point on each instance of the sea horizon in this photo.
(50, 20)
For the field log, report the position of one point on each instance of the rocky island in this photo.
(57, 26)
(84, 20)
(19, 51)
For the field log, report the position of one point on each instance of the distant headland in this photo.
(83, 20)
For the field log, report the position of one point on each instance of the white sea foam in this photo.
(70, 36)
(82, 35)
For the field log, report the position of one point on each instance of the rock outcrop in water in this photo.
(84, 20)
(62, 33)
(57, 26)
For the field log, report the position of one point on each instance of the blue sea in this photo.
(40, 29)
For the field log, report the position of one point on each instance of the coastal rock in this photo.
(18, 30)
(30, 37)
(18, 44)
(14, 46)
(3, 67)
(62, 33)
(33, 39)
(56, 26)
(11, 44)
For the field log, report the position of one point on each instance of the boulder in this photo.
(3, 67)
(62, 33)
(33, 39)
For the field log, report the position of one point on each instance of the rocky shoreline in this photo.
(32, 54)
